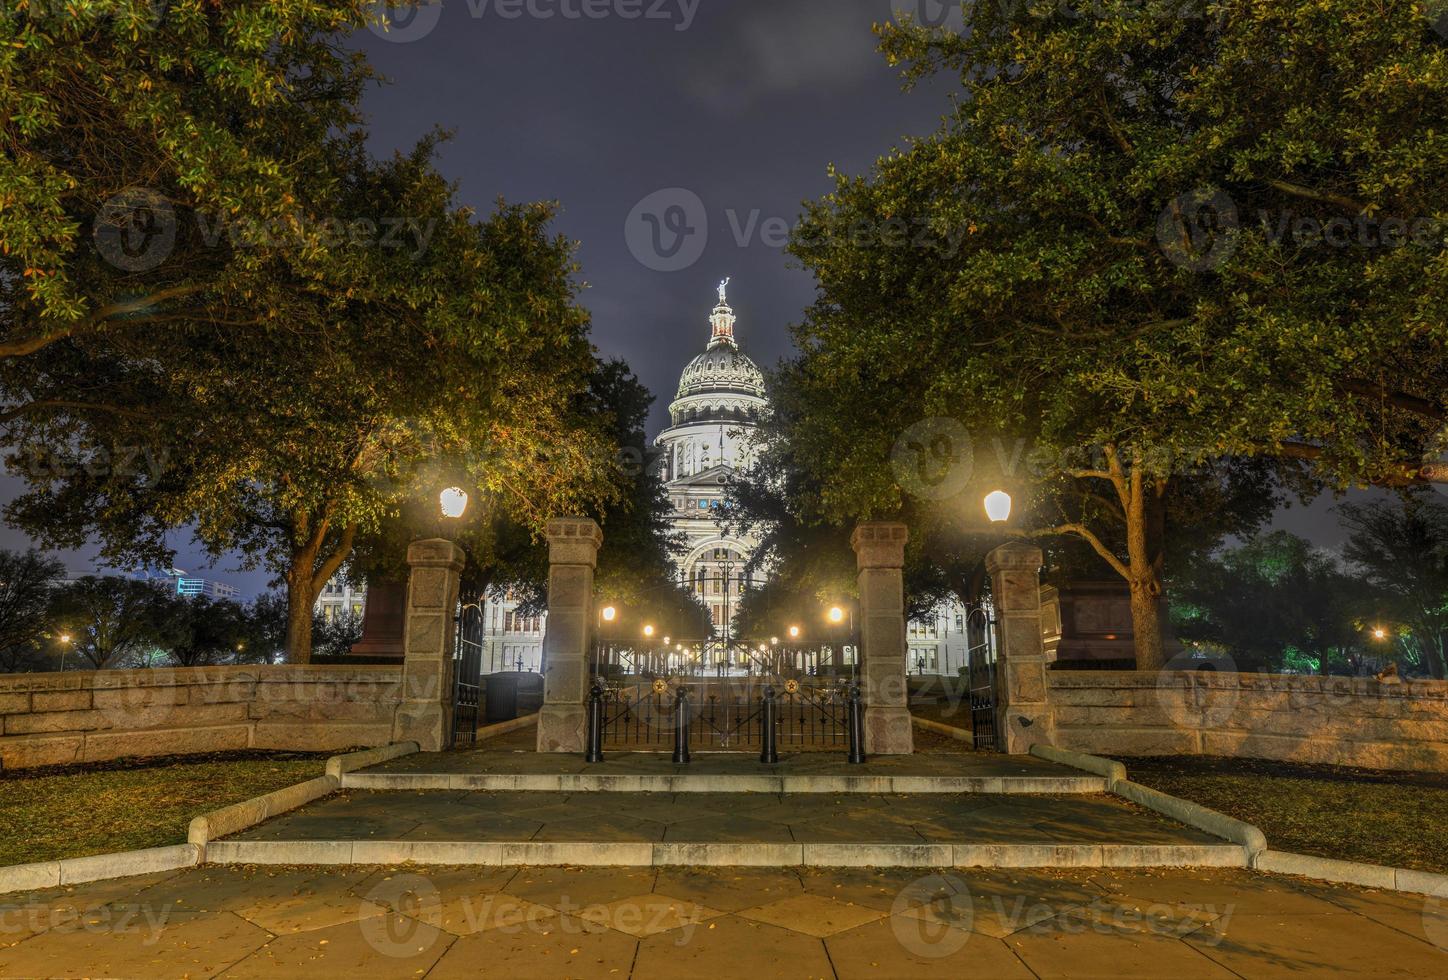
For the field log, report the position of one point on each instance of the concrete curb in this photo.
(97, 867)
(1353, 873)
(504, 727)
(1195, 815)
(1113, 771)
(340, 765)
(241, 816)
(940, 728)
(623, 783)
(727, 854)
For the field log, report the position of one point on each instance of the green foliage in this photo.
(26, 582)
(335, 637)
(1275, 604)
(1401, 550)
(285, 344)
(113, 620)
(207, 631)
(1041, 266)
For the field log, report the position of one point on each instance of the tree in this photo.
(133, 128)
(1401, 550)
(207, 631)
(462, 363)
(26, 582)
(1274, 601)
(1045, 261)
(335, 637)
(112, 620)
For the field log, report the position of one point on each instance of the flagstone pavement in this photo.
(361, 922)
(978, 818)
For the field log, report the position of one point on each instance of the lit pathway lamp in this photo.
(64, 649)
(454, 503)
(998, 507)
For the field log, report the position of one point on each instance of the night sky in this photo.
(710, 120)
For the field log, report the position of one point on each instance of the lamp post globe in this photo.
(454, 502)
(998, 506)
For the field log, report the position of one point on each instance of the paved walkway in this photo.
(729, 922)
(728, 817)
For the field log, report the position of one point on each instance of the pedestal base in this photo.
(888, 731)
(562, 728)
(423, 722)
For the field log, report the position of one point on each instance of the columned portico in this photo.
(573, 544)
(880, 555)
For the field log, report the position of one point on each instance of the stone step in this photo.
(724, 854)
(722, 783)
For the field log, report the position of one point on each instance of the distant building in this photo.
(191, 585)
(339, 598)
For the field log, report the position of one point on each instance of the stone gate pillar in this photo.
(880, 554)
(429, 635)
(573, 544)
(1023, 711)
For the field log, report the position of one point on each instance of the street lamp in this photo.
(454, 502)
(998, 506)
(609, 614)
(837, 615)
(649, 631)
(1380, 634)
(794, 632)
(64, 645)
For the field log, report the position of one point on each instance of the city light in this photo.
(1380, 634)
(609, 614)
(648, 631)
(837, 615)
(794, 632)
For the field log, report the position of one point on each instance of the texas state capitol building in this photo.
(713, 421)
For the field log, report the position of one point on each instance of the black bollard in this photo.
(856, 718)
(681, 727)
(594, 751)
(769, 753)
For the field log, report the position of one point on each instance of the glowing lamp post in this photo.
(64, 649)
(609, 614)
(454, 502)
(998, 507)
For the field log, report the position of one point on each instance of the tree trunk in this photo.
(1144, 578)
(300, 599)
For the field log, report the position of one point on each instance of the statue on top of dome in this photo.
(723, 287)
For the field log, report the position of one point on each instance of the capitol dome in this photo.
(722, 369)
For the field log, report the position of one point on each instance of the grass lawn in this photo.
(1392, 818)
(74, 811)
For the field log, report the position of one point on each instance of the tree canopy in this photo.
(1089, 255)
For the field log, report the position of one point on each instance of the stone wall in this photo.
(1339, 720)
(90, 716)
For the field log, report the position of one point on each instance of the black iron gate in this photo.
(641, 690)
(468, 675)
(980, 631)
